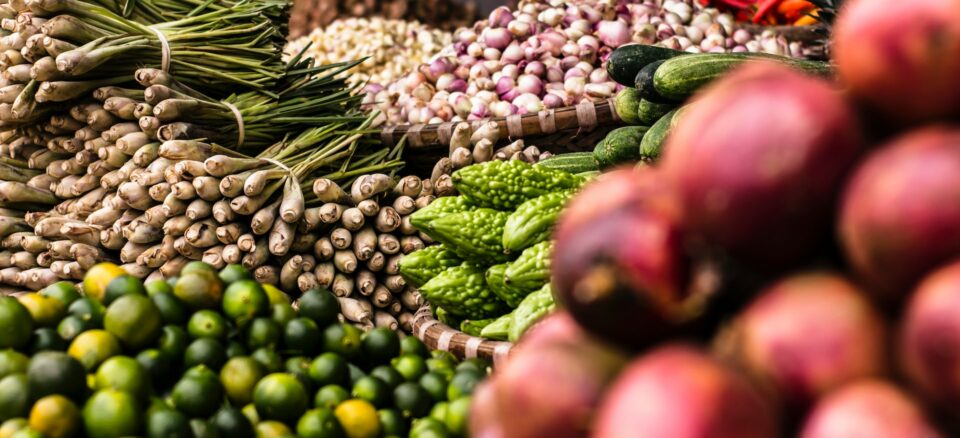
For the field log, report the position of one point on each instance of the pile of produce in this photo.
(214, 354)
(789, 268)
(443, 14)
(490, 274)
(552, 54)
(390, 48)
(772, 12)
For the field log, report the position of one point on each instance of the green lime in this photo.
(428, 428)
(207, 324)
(125, 374)
(356, 373)
(273, 429)
(280, 396)
(12, 361)
(410, 366)
(201, 372)
(14, 396)
(463, 384)
(92, 347)
(16, 324)
(205, 351)
(197, 267)
(457, 415)
(46, 339)
(412, 345)
(157, 404)
(27, 433)
(478, 366)
(163, 423)
(372, 390)
(263, 332)
(392, 422)
(230, 422)
(122, 285)
(320, 305)
(275, 295)
(197, 396)
(282, 313)
(319, 423)
(330, 396)
(442, 367)
(45, 311)
(134, 320)
(299, 366)
(358, 418)
(302, 335)
(110, 413)
(439, 411)
(158, 286)
(64, 291)
(203, 429)
(55, 416)
(244, 300)
(98, 277)
(156, 364)
(329, 368)
(235, 349)
(70, 327)
(412, 400)
(233, 273)
(270, 360)
(380, 345)
(54, 372)
(199, 290)
(239, 376)
(89, 311)
(12, 426)
(389, 375)
(435, 384)
(173, 342)
(343, 339)
(172, 310)
(250, 411)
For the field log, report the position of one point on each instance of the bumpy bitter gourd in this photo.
(420, 266)
(504, 185)
(475, 235)
(438, 208)
(462, 291)
(499, 329)
(535, 306)
(531, 270)
(495, 281)
(533, 221)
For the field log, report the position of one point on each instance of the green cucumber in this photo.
(649, 112)
(644, 83)
(652, 144)
(626, 61)
(622, 145)
(626, 103)
(574, 162)
(678, 78)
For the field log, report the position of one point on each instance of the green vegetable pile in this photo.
(490, 274)
(209, 354)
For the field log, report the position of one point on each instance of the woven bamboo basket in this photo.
(439, 336)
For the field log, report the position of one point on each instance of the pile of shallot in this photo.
(550, 54)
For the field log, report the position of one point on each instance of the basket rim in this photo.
(439, 336)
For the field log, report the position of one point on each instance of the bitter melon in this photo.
(475, 235)
(473, 327)
(462, 291)
(438, 208)
(531, 270)
(499, 329)
(420, 266)
(533, 221)
(495, 281)
(504, 185)
(535, 306)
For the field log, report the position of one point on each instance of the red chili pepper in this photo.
(764, 9)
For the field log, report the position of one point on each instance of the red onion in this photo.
(504, 85)
(585, 67)
(568, 62)
(552, 41)
(570, 49)
(462, 71)
(590, 14)
(502, 109)
(551, 101)
(530, 84)
(491, 54)
(574, 73)
(528, 103)
(497, 38)
(484, 84)
(479, 110)
(500, 17)
(512, 71)
(479, 71)
(475, 50)
(467, 36)
(510, 95)
(512, 54)
(520, 29)
(373, 88)
(555, 74)
(550, 17)
(458, 85)
(575, 85)
(444, 81)
(589, 41)
(535, 68)
(487, 96)
(599, 76)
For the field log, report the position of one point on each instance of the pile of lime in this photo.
(210, 354)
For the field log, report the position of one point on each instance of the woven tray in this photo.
(439, 336)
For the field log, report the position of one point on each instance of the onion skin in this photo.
(899, 219)
(757, 162)
(868, 409)
(680, 392)
(930, 338)
(805, 336)
(901, 58)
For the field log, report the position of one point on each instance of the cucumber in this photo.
(678, 78)
(574, 162)
(626, 105)
(649, 112)
(652, 144)
(622, 145)
(644, 83)
(626, 61)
